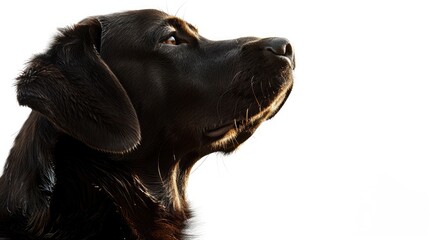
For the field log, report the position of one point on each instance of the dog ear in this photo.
(74, 88)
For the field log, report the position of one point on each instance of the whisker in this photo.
(180, 8)
(235, 141)
(200, 162)
(159, 173)
(254, 94)
(235, 76)
(262, 90)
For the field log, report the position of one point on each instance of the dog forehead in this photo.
(143, 13)
(131, 29)
(147, 17)
(140, 29)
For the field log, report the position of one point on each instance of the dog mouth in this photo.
(219, 131)
(237, 126)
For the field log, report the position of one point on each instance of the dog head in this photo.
(142, 82)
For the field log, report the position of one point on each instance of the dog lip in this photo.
(219, 131)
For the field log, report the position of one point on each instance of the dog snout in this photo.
(280, 47)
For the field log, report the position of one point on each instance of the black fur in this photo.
(121, 112)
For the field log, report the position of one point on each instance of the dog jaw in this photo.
(250, 124)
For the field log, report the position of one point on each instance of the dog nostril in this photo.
(279, 46)
(288, 51)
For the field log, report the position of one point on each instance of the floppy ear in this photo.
(74, 88)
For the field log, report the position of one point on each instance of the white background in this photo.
(346, 158)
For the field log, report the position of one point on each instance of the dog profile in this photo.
(123, 105)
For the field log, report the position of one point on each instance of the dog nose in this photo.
(280, 47)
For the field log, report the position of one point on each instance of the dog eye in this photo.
(171, 40)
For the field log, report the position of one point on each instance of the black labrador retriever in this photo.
(123, 107)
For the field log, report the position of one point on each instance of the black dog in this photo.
(123, 106)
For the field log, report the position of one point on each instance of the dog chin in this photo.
(228, 137)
